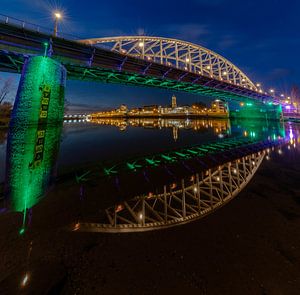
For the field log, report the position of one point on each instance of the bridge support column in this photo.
(40, 96)
(267, 111)
(34, 133)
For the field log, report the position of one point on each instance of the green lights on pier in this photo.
(46, 45)
(22, 231)
(39, 73)
(34, 133)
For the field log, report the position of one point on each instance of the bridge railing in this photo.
(5, 19)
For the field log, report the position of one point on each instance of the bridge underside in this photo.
(196, 85)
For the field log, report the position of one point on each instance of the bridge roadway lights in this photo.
(34, 133)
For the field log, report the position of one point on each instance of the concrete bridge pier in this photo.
(34, 133)
(41, 91)
(250, 110)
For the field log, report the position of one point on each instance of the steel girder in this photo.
(11, 62)
(179, 54)
(218, 90)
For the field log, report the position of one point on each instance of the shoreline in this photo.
(161, 117)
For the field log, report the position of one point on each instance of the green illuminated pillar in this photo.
(252, 110)
(40, 96)
(34, 134)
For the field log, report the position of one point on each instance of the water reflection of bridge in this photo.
(174, 187)
(183, 201)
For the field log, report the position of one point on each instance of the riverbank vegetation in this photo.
(5, 106)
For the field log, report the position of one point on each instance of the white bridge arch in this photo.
(179, 54)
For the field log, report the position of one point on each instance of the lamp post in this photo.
(57, 16)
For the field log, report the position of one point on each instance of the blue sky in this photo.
(260, 37)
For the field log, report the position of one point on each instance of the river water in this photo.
(86, 143)
(32, 158)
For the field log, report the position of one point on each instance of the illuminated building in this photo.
(219, 106)
(174, 103)
(219, 109)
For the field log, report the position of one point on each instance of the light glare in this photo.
(58, 15)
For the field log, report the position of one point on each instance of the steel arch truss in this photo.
(179, 54)
(182, 202)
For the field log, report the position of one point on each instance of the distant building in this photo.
(174, 103)
(123, 108)
(219, 106)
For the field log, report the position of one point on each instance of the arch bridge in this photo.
(131, 60)
(177, 54)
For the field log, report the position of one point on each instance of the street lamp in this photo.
(57, 16)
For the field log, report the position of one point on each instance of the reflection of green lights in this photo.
(109, 171)
(202, 149)
(196, 151)
(181, 154)
(133, 166)
(29, 175)
(167, 158)
(249, 104)
(152, 162)
(192, 152)
(22, 231)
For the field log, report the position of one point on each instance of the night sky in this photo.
(260, 37)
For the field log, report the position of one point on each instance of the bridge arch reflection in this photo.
(181, 202)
